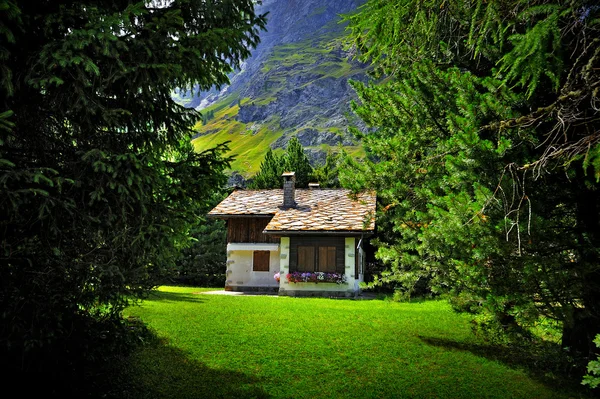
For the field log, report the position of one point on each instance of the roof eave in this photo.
(319, 232)
(229, 215)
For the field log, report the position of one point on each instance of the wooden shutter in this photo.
(327, 259)
(260, 262)
(306, 258)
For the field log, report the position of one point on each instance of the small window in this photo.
(260, 261)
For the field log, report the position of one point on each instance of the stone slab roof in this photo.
(316, 210)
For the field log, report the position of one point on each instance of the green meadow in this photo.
(217, 346)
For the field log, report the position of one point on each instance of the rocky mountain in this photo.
(295, 84)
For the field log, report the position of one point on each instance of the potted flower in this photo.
(277, 276)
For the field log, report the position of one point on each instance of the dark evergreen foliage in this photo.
(203, 263)
(269, 175)
(99, 185)
(327, 174)
(486, 141)
(294, 159)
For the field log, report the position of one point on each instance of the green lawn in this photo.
(276, 347)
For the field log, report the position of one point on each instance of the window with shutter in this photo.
(312, 258)
(317, 254)
(260, 261)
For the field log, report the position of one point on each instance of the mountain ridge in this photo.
(294, 84)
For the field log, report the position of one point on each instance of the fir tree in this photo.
(484, 154)
(294, 159)
(269, 175)
(99, 183)
(327, 174)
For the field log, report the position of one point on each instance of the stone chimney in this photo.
(289, 189)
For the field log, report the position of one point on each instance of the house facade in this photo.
(312, 239)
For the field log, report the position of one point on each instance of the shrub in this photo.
(593, 377)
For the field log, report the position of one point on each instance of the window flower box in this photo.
(316, 277)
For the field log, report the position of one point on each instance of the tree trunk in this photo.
(578, 335)
(584, 325)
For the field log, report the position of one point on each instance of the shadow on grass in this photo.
(543, 361)
(174, 297)
(389, 297)
(158, 370)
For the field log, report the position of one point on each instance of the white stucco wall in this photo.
(239, 267)
(351, 286)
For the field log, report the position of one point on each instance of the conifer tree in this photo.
(327, 174)
(294, 159)
(269, 175)
(99, 184)
(484, 154)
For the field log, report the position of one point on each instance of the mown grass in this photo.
(275, 347)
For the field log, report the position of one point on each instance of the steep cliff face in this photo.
(295, 84)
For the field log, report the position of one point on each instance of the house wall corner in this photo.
(284, 264)
(352, 279)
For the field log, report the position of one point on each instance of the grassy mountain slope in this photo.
(300, 89)
(248, 142)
